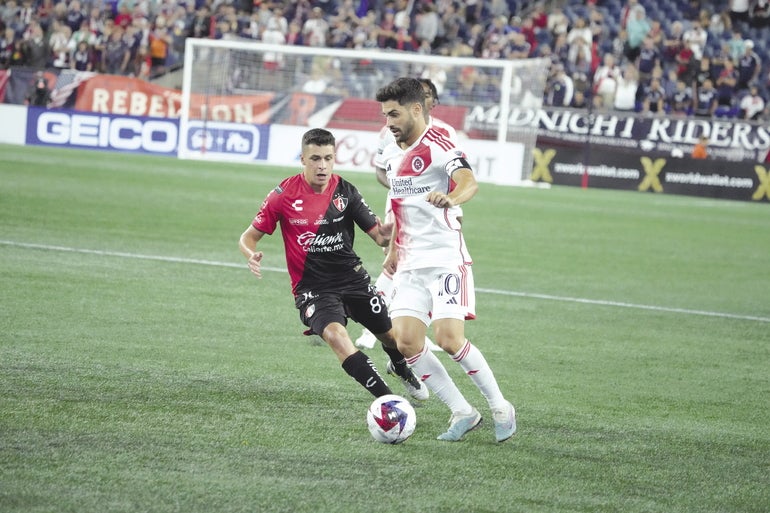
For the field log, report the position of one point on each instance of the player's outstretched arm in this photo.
(248, 246)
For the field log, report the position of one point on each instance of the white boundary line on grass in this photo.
(213, 263)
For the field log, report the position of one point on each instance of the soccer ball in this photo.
(391, 419)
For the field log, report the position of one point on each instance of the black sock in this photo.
(362, 369)
(399, 362)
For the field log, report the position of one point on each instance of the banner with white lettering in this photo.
(614, 169)
(110, 94)
(102, 132)
(729, 139)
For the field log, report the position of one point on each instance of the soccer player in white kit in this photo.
(429, 178)
(384, 282)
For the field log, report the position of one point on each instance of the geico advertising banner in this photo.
(102, 131)
(733, 140)
(109, 94)
(650, 174)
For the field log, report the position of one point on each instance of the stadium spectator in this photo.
(705, 100)
(124, 17)
(59, 41)
(518, 47)
(719, 23)
(82, 57)
(579, 100)
(725, 84)
(647, 61)
(700, 149)
(579, 31)
(686, 63)
(116, 53)
(579, 66)
(628, 12)
(759, 14)
(739, 11)
(697, 37)
(637, 28)
(656, 33)
(752, 105)
(36, 50)
(159, 42)
(598, 25)
(605, 81)
(749, 67)
(654, 98)
(7, 48)
(560, 88)
(426, 24)
(680, 102)
(558, 23)
(673, 42)
(335, 287)
(422, 272)
(627, 86)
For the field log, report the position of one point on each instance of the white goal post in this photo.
(249, 101)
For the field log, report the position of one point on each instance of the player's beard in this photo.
(405, 132)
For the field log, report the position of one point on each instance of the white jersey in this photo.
(387, 148)
(427, 236)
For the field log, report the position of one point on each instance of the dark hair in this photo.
(318, 137)
(404, 90)
(433, 91)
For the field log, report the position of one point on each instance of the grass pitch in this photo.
(143, 368)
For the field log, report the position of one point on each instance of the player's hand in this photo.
(255, 264)
(439, 199)
(385, 232)
(391, 262)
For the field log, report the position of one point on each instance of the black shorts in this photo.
(364, 304)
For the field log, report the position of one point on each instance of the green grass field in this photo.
(144, 369)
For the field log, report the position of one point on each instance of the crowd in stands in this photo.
(605, 54)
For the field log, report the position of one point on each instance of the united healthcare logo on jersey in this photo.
(227, 141)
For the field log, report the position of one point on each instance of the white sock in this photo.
(475, 365)
(429, 369)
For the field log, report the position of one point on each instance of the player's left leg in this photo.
(454, 301)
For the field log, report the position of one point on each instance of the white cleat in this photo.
(461, 424)
(505, 422)
(366, 340)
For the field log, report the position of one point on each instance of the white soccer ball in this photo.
(391, 419)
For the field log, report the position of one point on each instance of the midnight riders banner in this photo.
(733, 140)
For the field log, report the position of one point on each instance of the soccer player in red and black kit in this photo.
(317, 212)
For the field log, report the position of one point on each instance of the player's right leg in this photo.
(367, 306)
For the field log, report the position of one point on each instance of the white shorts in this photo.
(434, 293)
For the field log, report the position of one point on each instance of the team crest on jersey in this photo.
(418, 165)
(310, 311)
(340, 202)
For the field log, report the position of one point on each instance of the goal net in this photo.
(251, 101)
